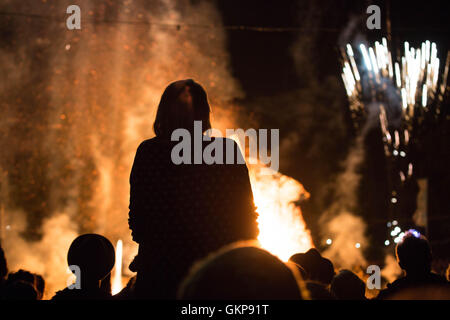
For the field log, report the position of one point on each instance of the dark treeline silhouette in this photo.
(195, 225)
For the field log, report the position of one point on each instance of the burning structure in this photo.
(76, 106)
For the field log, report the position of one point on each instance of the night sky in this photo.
(263, 63)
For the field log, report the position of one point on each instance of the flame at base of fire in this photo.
(117, 279)
(282, 230)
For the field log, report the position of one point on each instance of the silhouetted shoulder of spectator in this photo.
(406, 283)
(348, 286)
(317, 268)
(36, 280)
(80, 294)
(105, 284)
(318, 291)
(127, 293)
(300, 269)
(242, 271)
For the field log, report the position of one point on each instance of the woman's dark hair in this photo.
(182, 103)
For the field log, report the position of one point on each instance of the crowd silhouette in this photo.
(196, 226)
(238, 271)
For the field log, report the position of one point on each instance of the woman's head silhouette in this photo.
(182, 103)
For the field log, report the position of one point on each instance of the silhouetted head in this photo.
(3, 265)
(22, 275)
(182, 103)
(414, 253)
(94, 255)
(36, 280)
(19, 290)
(242, 272)
(348, 286)
(317, 268)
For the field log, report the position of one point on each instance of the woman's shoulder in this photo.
(231, 148)
(152, 143)
(157, 142)
(163, 148)
(148, 142)
(225, 141)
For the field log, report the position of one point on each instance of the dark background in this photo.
(263, 63)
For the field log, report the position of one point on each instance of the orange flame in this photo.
(282, 230)
(117, 279)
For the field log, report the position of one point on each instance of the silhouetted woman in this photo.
(180, 213)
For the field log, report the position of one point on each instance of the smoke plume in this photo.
(77, 103)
